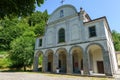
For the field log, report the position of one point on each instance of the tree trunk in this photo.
(24, 68)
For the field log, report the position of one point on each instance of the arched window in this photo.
(61, 13)
(61, 35)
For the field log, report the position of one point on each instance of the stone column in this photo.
(69, 64)
(107, 65)
(85, 63)
(44, 64)
(35, 64)
(55, 62)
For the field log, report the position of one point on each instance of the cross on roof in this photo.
(62, 1)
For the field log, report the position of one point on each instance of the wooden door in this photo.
(100, 67)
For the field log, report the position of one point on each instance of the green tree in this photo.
(116, 39)
(10, 29)
(22, 50)
(18, 36)
(18, 7)
(38, 21)
(37, 17)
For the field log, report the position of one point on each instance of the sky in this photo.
(95, 9)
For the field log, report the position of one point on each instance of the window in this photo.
(61, 13)
(40, 42)
(61, 35)
(92, 31)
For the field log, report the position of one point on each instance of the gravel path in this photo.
(42, 76)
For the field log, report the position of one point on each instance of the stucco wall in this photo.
(97, 56)
(74, 32)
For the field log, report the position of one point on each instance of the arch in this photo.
(95, 55)
(49, 54)
(77, 58)
(61, 35)
(48, 51)
(63, 49)
(75, 47)
(38, 61)
(95, 44)
(37, 54)
(62, 59)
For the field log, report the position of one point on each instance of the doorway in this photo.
(100, 67)
(49, 67)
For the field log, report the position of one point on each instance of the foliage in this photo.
(39, 29)
(17, 35)
(3, 52)
(18, 7)
(37, 17)
(38, 21)
(116, 39)
(40, 60)
(10, 29)
(4, 62)
(22, 50)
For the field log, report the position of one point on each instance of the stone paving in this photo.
(117, 76)
(43, 76)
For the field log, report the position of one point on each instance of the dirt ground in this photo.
(45, 76)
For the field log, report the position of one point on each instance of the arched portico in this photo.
(49, 54)
(62, 59)
(96, 61)
(38, 61)
(77, 59)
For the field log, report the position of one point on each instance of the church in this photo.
(76, 44)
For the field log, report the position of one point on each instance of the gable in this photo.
(62, 11)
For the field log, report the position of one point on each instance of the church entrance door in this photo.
(100, 66)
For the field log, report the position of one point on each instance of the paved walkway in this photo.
(118, 75)
(42, 76)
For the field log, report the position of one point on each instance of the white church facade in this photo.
(74, 43)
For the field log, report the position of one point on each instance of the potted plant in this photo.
(81, 71)
(57, 70)
(91, 71)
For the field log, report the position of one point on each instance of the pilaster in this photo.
(107, 66)
(69, 64)
(85, 63)
(35, 64)
(55, 62)
(44, 64)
